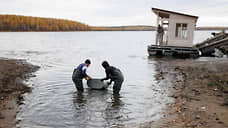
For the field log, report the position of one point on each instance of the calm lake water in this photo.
(54, 101)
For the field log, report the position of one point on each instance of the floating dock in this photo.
(173, 50)
(175, 34)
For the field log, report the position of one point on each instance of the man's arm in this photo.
(107, 76)
(84, 68)
(85, 74)
(110, 82)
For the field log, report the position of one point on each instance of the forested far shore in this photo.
(28, 23)
(212, 28)
(124, 28)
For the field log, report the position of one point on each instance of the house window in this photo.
(181, 31)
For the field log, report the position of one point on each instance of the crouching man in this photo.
(80, 73)
(114, 74)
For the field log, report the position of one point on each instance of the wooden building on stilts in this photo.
(175, 34)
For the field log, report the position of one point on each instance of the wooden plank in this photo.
(216, 44)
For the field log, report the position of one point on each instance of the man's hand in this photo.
(88, 78)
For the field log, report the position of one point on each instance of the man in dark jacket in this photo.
(160, 32)
(80, 73)
(115, 75)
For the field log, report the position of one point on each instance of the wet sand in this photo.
(13, 73)
(201, 94)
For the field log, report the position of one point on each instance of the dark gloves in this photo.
(104, 79)
(109, 82)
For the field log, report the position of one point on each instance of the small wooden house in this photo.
(179, 28)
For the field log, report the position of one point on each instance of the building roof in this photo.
(157, 11)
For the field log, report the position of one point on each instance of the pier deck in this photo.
(172, 50)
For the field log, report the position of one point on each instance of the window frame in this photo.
(183, 32)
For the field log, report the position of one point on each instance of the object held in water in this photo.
(97, 84)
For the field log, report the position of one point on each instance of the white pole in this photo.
(156, 29)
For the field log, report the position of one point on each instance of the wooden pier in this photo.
(219, 42)
(173, 51)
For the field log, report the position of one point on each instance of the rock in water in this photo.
(97, 84)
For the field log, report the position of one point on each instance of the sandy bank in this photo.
(12, 75)
(201, 98)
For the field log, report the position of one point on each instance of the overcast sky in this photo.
(118, 12)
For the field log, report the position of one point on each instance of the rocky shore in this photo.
(12, 76)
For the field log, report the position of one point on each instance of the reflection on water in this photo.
(106, 114)
(79, 100)
(54, 102)
(113, 114)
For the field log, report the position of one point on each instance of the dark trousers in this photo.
(118, 83)
(117, 86)
(78, 84)
(77, 79)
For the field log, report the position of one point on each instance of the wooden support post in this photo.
(156, 38)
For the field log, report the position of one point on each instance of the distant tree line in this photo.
(28, 23)
(124, 28)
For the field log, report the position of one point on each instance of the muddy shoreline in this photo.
(12, 87)
(200, 92)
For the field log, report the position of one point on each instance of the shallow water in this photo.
(54, 101)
